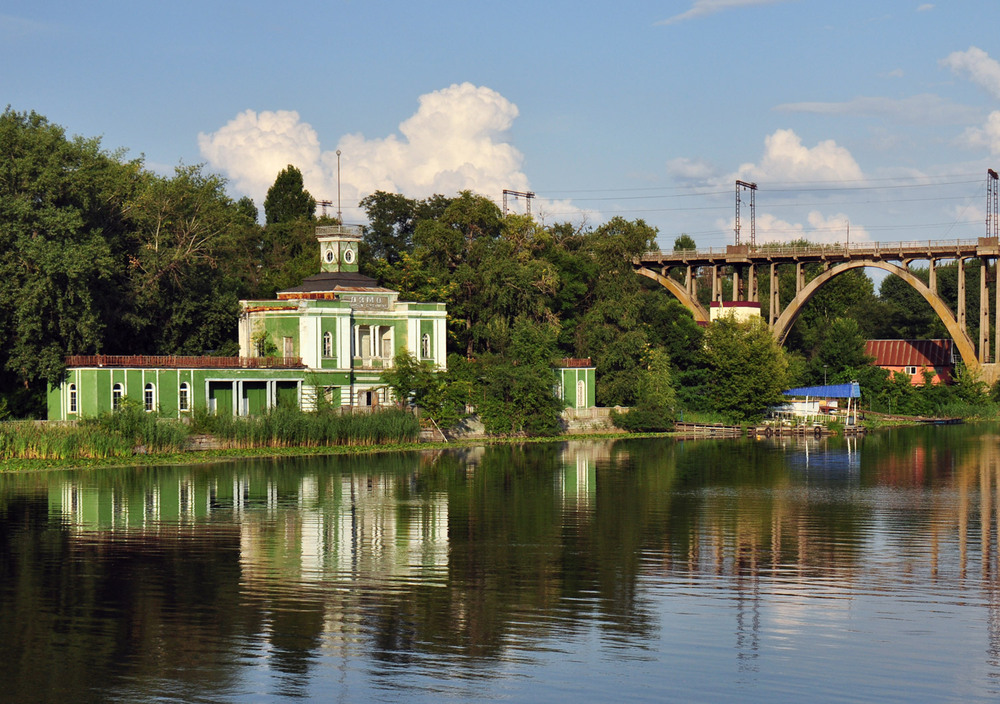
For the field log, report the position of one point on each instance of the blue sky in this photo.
(882, 115)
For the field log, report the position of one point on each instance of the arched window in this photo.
(328, 344)
(184, 397)
(72, 398)
(425, 346)
(581, 394)
(149, 397)
(117, 392)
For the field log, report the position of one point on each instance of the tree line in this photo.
(102, 255)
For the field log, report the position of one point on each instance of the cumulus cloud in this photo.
(984, 72)
(818, 229)
(980, 68)
(985, 137)
(253, 147)
(787, 159)
(455, 141)
(703, 8)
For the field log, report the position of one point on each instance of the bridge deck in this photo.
(779, 254)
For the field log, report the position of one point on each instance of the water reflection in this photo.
(434, 574)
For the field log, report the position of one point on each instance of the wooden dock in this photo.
(701, 430)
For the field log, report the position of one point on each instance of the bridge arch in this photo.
(783, 324)
(679, 292)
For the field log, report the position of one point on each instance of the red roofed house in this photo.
(913, 357)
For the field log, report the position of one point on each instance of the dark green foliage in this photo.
(62, 218)
(287, 199)
(186, 233)
(656, 399)
(518, 392)
(748, 368)
(683, 242)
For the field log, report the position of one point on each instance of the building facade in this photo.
(914, 358)
(575, 383)
(326, 341)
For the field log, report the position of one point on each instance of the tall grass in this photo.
(287, 427)
(118, 434)
(131, 430)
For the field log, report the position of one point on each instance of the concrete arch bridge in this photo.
(746, 264)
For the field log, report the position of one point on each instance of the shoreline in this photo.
(207, 456)
(239, 453)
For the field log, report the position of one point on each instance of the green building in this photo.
(576, 383)
(325, 341)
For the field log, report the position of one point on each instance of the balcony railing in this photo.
(182, 361)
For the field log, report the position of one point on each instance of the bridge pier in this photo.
(961, 295)
(744, 262)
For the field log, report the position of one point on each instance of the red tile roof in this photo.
(915, 353)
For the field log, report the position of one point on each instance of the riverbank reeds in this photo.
(125, 432)
(286, 427)
(131, 431)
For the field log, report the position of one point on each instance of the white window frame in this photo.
(184, 397)
(117, 394)
(73, 405)
(425, 346)
(327, 345)
(149, 397)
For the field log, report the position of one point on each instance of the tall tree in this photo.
(451, 249)
(62, 222)
(749, 369)
(287, 199)
(612, 332)
(185, 269)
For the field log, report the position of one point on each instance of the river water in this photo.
(833, 570)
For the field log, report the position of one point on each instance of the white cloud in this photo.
(703, 8)
(818, 229)
(253, 147)
(455, 141)
(786, 159)
(926, 7)
(984, 71)
(985, 137)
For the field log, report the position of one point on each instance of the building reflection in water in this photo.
(791, 528)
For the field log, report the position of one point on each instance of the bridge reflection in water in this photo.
(745, 265)
(815, 558)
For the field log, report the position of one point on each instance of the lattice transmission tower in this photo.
(992, 215)
(752, 188)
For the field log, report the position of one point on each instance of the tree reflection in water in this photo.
(462, 564)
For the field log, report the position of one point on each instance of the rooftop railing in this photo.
(182, 361)
(838, 249)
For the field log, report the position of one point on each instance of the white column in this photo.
(344, 342)
(440, 341)
(413, 336)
